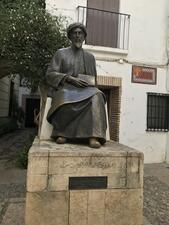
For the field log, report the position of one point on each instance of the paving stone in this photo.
(11, 144)
(156, 201)
(160, 170)
(17, 200)
(3, 206)
(12, 179)
(14, 214)
(13, 176)
(146, 222)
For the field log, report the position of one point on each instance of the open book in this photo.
(88, 78)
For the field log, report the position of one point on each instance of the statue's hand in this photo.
(76, 82)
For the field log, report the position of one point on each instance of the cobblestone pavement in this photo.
(156, 201)
(13, 179)
(11, 144)
(156, 194)
(10, 193)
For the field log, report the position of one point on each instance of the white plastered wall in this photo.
(4, 96)
(22, 91)
(148, 29)
(5, 84)
(133, 111)
(65, 8)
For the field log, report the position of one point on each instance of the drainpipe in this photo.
(167, 89)
(167, 141)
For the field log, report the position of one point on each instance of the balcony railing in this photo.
(105, 28)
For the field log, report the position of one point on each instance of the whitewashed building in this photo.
(5, 85)
(9, 88)
(129, 41)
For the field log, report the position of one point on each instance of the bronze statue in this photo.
(78, 106)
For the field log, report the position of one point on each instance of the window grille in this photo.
(157, 112)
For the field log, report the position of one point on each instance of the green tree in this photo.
(29, 36)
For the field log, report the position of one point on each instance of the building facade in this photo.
(9, 89)
(129, 41)
(4, 96)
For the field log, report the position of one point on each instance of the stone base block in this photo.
(76, 185)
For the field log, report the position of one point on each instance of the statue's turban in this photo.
(76, 25)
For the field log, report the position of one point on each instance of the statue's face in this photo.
(77, 37)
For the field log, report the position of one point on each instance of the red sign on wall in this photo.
(144, 75)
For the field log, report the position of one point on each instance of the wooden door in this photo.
(102, 26)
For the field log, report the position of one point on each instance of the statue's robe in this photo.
(75, 112)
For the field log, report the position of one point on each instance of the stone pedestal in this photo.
(76, 185)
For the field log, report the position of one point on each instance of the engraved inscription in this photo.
(93, 162)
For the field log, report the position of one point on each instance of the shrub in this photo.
(22, 157)
(29, 36)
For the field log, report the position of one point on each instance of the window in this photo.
(157, 112)
(105, 25)
(102, 24)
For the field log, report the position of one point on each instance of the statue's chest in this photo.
(73, 65)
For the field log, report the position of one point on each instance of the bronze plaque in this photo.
(144, 75)
(81, 183)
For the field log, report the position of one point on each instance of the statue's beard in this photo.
(78, 44)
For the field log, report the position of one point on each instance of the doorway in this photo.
(32, 105)
(111, 87)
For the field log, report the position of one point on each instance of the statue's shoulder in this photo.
(88, 55)
(62, 52)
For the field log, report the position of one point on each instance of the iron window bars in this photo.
(157, 112)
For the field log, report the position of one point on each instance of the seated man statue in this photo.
(78, 106)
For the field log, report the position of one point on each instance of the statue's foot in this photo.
(61, 140)
(94, 143)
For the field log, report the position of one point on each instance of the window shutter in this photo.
(102, 26)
